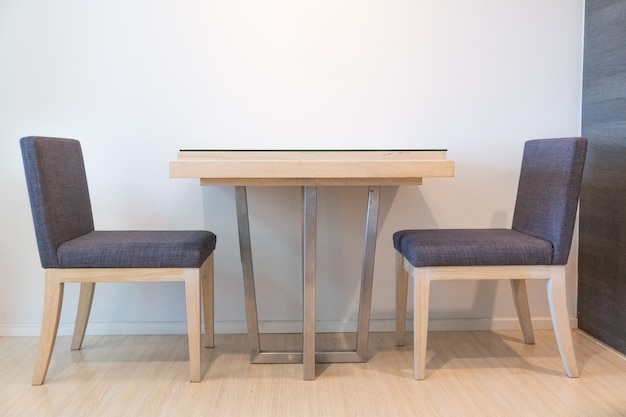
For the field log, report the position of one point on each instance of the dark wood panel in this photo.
(602, 257)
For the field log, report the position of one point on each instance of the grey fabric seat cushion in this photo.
(137, 249)
(467, 247)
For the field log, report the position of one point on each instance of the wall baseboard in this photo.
(287, 326)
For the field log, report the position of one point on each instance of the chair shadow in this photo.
(126, 349)
(475, 350)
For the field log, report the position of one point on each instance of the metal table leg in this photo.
(367, 281)
(245, 249)
(309, 356)
(309, 246)
(367, 274)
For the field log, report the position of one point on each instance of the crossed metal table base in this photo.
(309, 356)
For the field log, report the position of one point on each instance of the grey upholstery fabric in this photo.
(548, 191)
(543, 221)
(137, 249)
(59, 196)
(64, 227)
(467, 247)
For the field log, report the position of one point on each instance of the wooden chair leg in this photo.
(402, 287)
(53, 300)
(560, 320)
(85, 300)
(523, 311)
(420, 320)
(206, 273)
(194, 324)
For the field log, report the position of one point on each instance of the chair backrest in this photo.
(59, 197)
(548, 191)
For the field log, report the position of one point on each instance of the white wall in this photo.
(137, 80)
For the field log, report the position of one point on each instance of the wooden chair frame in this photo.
(422, 277)
(199, 296)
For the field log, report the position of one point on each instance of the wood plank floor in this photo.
(468, 374)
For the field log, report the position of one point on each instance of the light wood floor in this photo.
(468, 374)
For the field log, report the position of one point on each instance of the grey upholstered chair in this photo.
(71, 250)
(536, 247)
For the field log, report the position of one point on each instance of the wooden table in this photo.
(310, 169)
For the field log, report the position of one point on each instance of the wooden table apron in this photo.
(309, 169)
